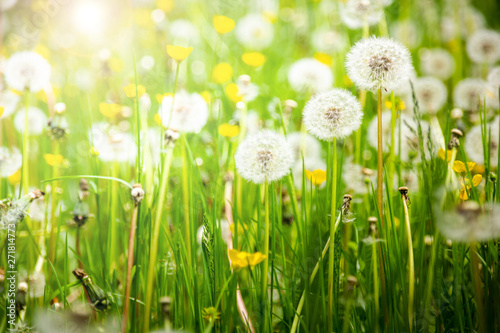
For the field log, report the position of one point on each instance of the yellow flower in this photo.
(130, 90)
(223, 24)
(157, 119)
(53, 160)
(466, 186)
(317, 177)
(159, 97)
(459, 167)
(270, 16)
(94, 151)
(347, 81)
(442, 154)
(324, 58)
(165, 5)
(211, 314)
(2, 109)
(228, 130)
(222, 73)
(254, 59)
(15, 178)
(178, 53)
(109, 110)
(241, 259)
(232, 93)
(206, 96)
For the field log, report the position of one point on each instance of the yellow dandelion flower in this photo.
(157, 119)
(241, 259)
(347, 81)
(94, 151)
(324, 58)
(179, 53)
(53, 160)
(130, 90)
(160, 97)
(15, 178)
(165, 5)
(317, 177)
(228, 130)
(2, 109)
(254, 59)
(223, 24)
(270, 16)
(206, 96)
(466, 186)
(232, 93)
(222, 73)
(109, 110)
(442, 153)
(459, 167)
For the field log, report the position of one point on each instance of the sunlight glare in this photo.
(88, 17)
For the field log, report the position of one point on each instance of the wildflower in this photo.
(442, 153)
(189, 113)
(437, 62)
(109, 110)
(328, 41)
(333, 114)
(232, 92)
(463, 170)
(210, 314)
(97, 296)
(137, 193)
(483, 46)
(376, 63)
(254, 59)
(27, 71)
(264, 156)
(468, 222)
(178, 53)
(11, 160)
(223, 24)
(15, 212)
(37, 120)
(8, 103)
(241, 259)
(301, 168)
(358, 178)
(309, 75)
(304, 146)
(469, 94)
(254, 32)
(112, 144)
(222, 73)
(473, 145)
(356, 13)
(81, 212)
(494, 78)
(130, 90)
(456, 134)
(53, 159)
(317, 177)
(430, 93)
(228, 130)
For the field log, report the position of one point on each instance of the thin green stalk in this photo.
(332, 236)
(25, 170)
(185, 198)
(266, 249)
(476, 278)
(138, 124)
(411, 273)
(380, 156)
(375, 283)
(155, 235)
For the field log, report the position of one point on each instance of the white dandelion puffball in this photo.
(113, 144)
(494, 78)
(254, 31)
(304, 146)
(376, 63)
(483, 46)
(184, 33)
(310, 164)
(264, 156)
(431, 94)
(469, 94)
(358, 178)
(37, 121)
(189, 114)
(11, 160)
(27, 71)
(474, 144)
(310, 75)
(467, 222)
(8, 101)
(437, 62)
(355, 12)
(332, 114)
(328, 41)
(406, 32)
(247, 89)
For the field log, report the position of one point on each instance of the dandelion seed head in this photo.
(246, 88)
(113, 144)
(8, 101)
(332, 114)
(358, 178)
(355, 12)
(375, 63)
(304, 146)
(494, 78)
(265, 155)
(469, 94)
(431, 94)
(436, 62)
(37, 121)
(328, 41)
(27, 71)
(254, 32)
(483, 46)
(189, 114)
(473, 145)
(11, 160)
(309, 75)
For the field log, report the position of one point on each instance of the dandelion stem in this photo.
(380, 158)
(130, 264)
(332, 236)
(375, 283)
(411, 273)
(185, 197)
(155, 235)
(25, 170)
(477, 286)
(266, 249)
